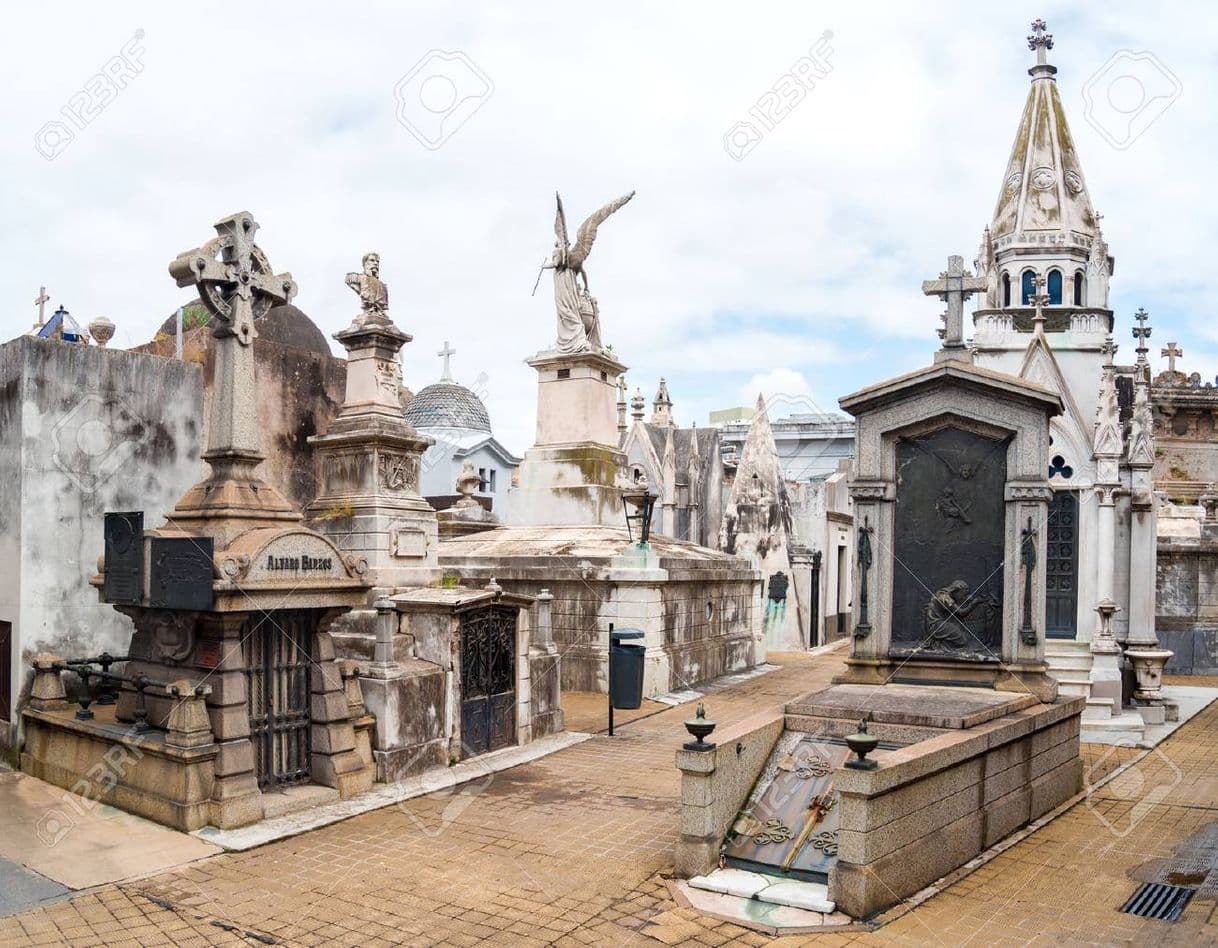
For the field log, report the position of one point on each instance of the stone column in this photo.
(1142, 556)
(1023, 640)
(870, 616)
(544, 634)
(383, 664)
(235, 799)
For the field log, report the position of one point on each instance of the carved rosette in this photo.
(398, 472)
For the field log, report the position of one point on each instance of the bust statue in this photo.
(373, 293)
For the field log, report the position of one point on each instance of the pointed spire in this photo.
(661, 413)
(1043, 189)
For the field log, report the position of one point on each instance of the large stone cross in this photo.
(1171, 352)
(237, 285)
(955, 285)
(446, 354)
(41, 301)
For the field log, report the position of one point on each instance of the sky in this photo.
(786, 259)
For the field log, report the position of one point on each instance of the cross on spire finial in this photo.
(1141, 332)
(41, 301)
(1039, 299)
(954, 286)
(1040, 41)
(446, 354)
(1171, 352)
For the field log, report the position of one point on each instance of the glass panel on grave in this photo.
(949, 530)
(789, 825)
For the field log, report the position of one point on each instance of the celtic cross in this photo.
(1040, 40)
(1171, 352)
(237, 285)
(1141, 332)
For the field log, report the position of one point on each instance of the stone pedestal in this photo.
(1106, 658)
(571, 474)
(368, 500)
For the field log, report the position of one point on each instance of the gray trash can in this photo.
(626, 651)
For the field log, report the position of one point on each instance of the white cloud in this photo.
(807, 254)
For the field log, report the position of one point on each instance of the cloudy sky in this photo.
(793, 269)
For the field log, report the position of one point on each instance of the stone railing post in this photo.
(543, 635)
(188, 724)
(47, 692)
(698, 842)
(383, 664)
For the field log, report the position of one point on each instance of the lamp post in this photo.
(644, 503)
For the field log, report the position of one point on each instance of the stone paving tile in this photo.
(572, 850)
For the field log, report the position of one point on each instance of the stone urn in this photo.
(102, 330)
(1148, 666)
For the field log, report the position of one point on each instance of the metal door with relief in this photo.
(488, 679)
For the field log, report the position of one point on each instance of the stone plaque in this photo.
(296, 558)
(409, 542)
(948, 546)
(123, 580)
(181, 573)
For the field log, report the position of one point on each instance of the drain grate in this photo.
(1158, 900)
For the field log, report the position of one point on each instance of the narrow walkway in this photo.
(571, 850)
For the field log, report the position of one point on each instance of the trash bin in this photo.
(626, 669)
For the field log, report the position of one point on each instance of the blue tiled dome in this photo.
(448, 405)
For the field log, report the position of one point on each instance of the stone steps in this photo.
(1074, 686)
(811, 896)
(1123, 727)
(1099, 709)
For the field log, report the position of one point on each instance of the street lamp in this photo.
(644, 502)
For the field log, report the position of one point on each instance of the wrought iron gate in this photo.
(6, 671)
(278, 650)
(488, 679)
(1061, 569)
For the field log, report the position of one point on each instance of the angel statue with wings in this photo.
(579, 327)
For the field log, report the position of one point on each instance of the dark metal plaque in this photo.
(949, 529)
(181, 573)
(123, 579)
(789, 825)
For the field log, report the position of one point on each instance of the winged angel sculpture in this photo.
(579, 327)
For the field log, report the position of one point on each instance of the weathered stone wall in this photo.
(1186, 602)
(85, 430)
(299, 395)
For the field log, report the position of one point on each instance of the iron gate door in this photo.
(488, 680)
(278, 651)
(1061, 569)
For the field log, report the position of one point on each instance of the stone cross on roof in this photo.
(955, 285)
(1039, 299)
(41, 301)
(1040, 41)
(1171, 352)
(1141, 332)
(446, 354)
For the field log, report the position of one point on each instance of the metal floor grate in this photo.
(1158, 900)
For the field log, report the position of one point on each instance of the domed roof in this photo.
(287, 325)
(448, 405)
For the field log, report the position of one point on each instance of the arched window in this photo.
(1027, 286)
(1055, 287)
(1006, 290)
(1080, 287)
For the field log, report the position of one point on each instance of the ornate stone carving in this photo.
(173, 636)
(1043, 178)
(1027, 560)
(398, 472)
(579, 327)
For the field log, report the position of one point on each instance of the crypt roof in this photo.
(447, 405)
(1043, 189)
(287, 325)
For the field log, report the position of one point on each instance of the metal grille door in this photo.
(488, 679)
(278, 652)
(1061, 570)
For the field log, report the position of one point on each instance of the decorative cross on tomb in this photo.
(1141, 332)
(41, 301)
(1171, 352)
(237, 285)
(955, 285)
(1039, 299)
(446, 354)
(1040, 41)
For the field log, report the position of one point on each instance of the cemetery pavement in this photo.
(572, 850)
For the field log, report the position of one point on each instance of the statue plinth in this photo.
(570, 476)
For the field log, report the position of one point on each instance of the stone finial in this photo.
(1040, 40)
(637, 405)
(47, 692)
(102, 331)
(494, 587)
(1141, 332)
(188, 724)
(468, 481)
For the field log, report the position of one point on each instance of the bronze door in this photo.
(1061, 567)
(488, 680)
(278, 653)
